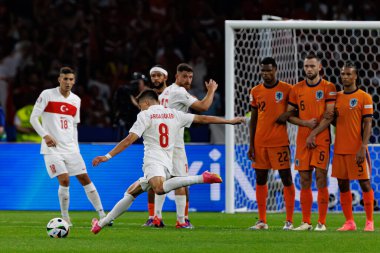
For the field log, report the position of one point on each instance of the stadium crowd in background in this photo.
(106, 41)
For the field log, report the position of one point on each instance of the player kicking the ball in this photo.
(159, 126)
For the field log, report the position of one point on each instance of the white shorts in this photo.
(65, 163)
(151, 171)
(180, 166)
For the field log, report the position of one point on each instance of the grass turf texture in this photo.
(25, 231)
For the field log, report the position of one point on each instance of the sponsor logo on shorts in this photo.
(52, 168)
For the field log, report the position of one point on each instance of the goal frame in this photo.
(230, 25)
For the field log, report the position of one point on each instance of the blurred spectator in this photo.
(25, 131)
(125, 107)
(3, 134)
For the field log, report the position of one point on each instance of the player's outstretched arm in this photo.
(204, 104)
(203, 119)
(120, 147)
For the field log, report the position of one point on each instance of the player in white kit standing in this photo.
(59, 109)
(159, 127)
(176, 96)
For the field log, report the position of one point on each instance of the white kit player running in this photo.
(159, 127)
(59, 109)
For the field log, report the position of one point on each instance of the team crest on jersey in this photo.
(297, 162)
(319, 94)
(279, 96)
(353, 102)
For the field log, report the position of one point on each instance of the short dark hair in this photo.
(66, 70)
(184, 67)
(350, 64)
(269, 61)
(147, 94)
(312, 55)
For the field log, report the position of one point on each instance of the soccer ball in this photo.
(57, 228)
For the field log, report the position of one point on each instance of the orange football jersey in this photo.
(351, 109)
(270, 102)
(311, 100)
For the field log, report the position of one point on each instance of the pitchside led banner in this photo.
(25, 185)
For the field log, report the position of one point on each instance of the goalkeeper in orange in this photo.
(269, 143)
(354, 111)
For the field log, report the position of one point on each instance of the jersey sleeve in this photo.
(38, 109)
(293, 97)
(141, 124)
(77, 115)
(185, 119)
(185, 98)
(330, 93)
(252, 100)
(40, 104)
(367, 106)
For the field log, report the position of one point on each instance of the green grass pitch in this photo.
(25, 231)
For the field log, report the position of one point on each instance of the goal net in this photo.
(247, 42)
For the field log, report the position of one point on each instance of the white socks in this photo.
(64, 200)
(158, 204)
(177, 182)
(93, 196)
(118, 209)
(180, 202)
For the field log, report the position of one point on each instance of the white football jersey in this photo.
(59, 114)
(177, 97)
(159, 126)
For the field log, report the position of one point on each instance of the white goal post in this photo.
(247, 42)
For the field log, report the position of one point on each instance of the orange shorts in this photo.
(276, 158)
(345, 167)
(307, 159)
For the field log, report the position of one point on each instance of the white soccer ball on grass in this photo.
(57, 228)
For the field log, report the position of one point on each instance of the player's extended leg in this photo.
(64, 196)
(151, 203)
(261, 198)
(289, 196)
(368, 199)
(346, 203)
(123, 205)
(323, 198)
(92, 193)
(306, 199)
(178, 182)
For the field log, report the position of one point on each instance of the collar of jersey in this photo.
(271, 87)
(348, 93)
(313, 85)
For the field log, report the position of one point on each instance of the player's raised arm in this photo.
(120, 147)
(204, 104)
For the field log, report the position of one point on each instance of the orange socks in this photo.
(368, 198)
(151, 209)
(323, 204)
(289, 195)
(306, 203)
(346, 203)
(261, 198)
(187, 209)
